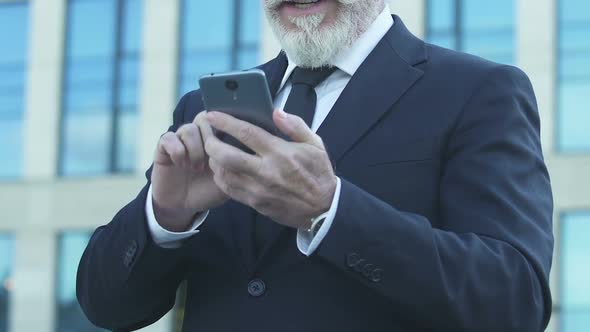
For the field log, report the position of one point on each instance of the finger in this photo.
(232, 184)
(171, 150)
(295, 128)
(204, 126)
(231, 157)
(250, 135)
(190, 135)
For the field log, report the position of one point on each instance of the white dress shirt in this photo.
(327, 93)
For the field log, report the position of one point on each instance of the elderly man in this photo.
(407, 192)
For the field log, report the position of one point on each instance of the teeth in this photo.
(303, 2)
(303, 5)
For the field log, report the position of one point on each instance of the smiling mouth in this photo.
(301, 4)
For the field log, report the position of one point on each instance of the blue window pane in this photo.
(250, 30)
(248, 58)
(89, 71)
(207, 24)
(6, 264)
(11, 133)
(483, 28)
(128, 95)
(251, 18)
(88, 95)
(127, 131)
(488, 28)
(574, 116)
(444, 40)
(129, 72)
(70, 317)
(13, 58)
(14, 32)
(91, 28)
(101, 80)
(194, 65)
(441, 15)
(12, 80)
(132, 26)
(574, 10)
(575, 67)
(86, 142)
(575, 320)
(575, 289)
(574, 76)
(208, 42)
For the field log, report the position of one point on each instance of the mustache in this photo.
(275, 4)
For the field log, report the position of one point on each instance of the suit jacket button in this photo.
(129, 255)
(360, 265)
(376, 275)
(256, 287)
(352, 259)
(368, 270)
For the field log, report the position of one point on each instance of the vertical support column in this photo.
(34, 282)
(159, 79)
(43, 92)
(536, 55)
(34, 268)
(413, 13)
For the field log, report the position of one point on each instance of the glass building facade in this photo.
(100, 87)
(14, 18)
(483, 28)
(573, 56)
(6, 285)
(574, 271)
(217, 36)
(99, 84)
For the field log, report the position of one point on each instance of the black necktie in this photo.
(301, 102)
(302, 99)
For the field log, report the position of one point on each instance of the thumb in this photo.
(295, 128)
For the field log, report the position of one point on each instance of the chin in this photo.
(314, 33)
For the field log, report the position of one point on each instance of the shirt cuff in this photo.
(306, 243)
(163, 237)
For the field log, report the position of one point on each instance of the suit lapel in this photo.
(274, 71)
(386, 74)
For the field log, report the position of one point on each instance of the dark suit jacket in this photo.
(444, 221)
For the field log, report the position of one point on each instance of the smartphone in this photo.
(242, 94)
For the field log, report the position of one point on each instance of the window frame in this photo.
(557, 143)
(115, 108)
(17, 174)
(458, 30)
(236, 45)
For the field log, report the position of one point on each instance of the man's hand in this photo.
(290, 182)
(182, 182)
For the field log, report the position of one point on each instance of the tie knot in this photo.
(311, 77)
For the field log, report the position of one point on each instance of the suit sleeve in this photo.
(125, 281)
(487, 266)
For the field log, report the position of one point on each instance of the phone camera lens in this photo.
(231, 85)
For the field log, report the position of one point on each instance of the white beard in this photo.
(313, 46)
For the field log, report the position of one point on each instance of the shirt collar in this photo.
(351, 58)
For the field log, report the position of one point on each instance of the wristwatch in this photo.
(316, 224)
